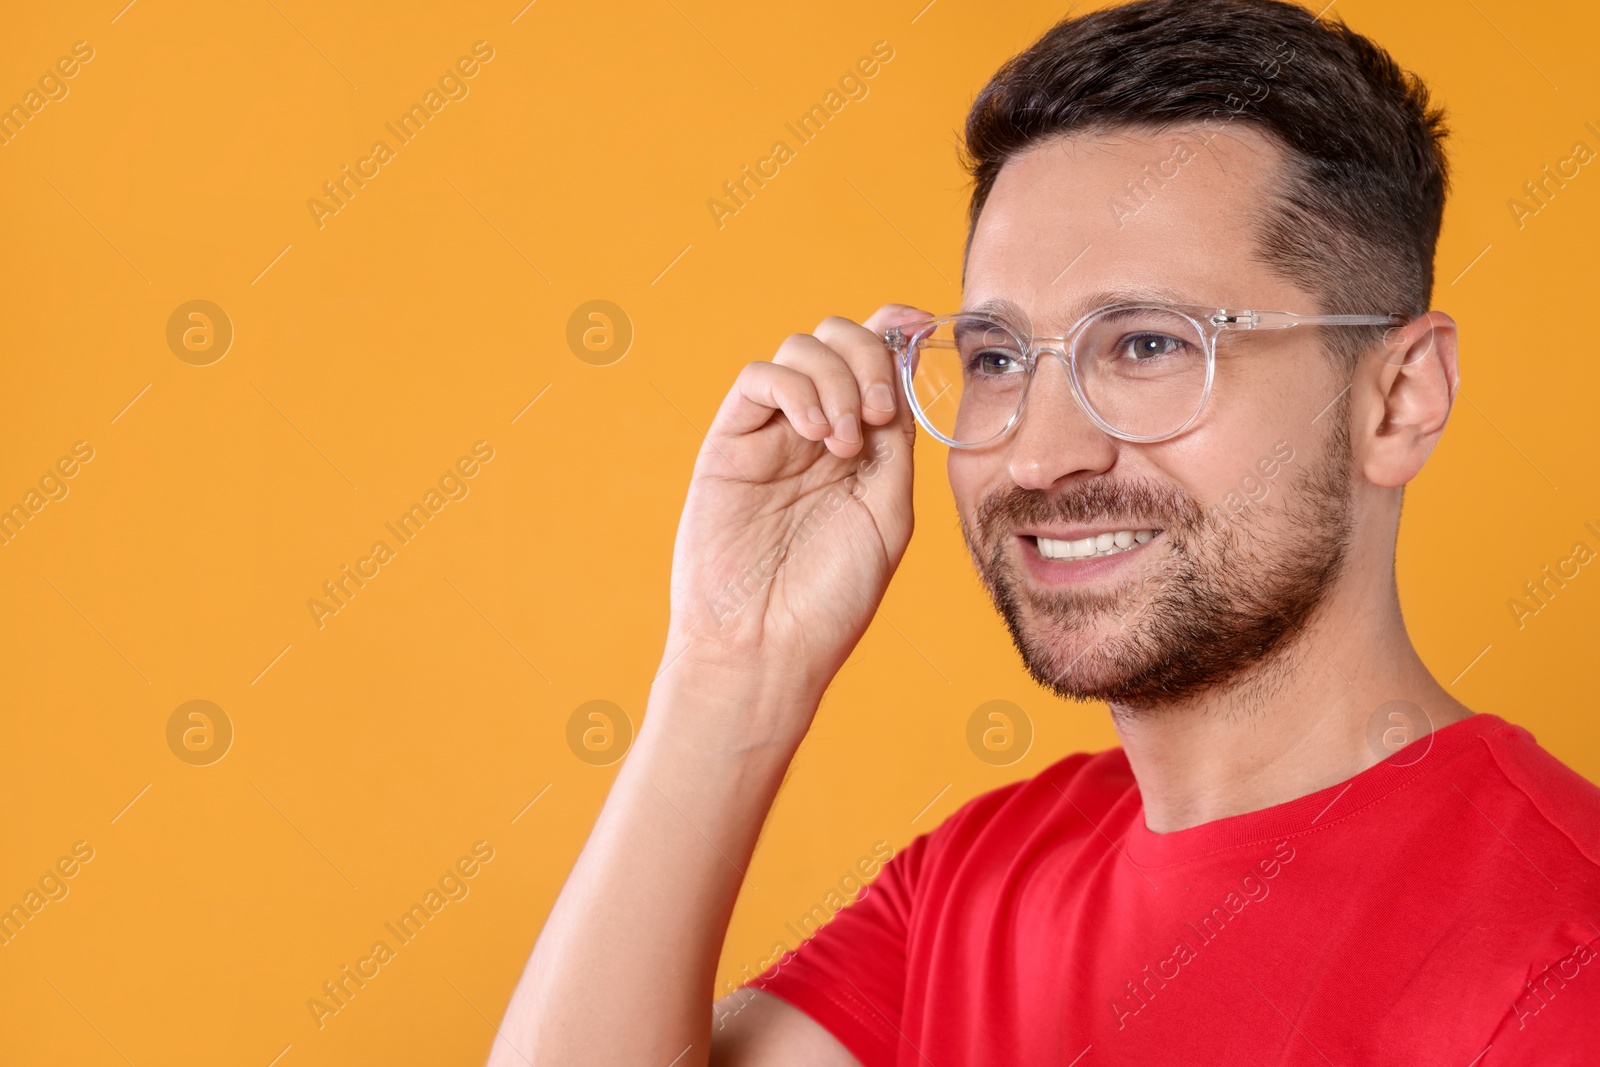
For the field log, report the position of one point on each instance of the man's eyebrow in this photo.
(999, 308)
(1012, 313)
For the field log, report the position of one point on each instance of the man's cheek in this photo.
(1145, 591)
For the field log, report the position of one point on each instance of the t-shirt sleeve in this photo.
(850, 975)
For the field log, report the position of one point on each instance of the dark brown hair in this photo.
(1358, 209)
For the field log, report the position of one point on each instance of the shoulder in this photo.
(1562, 798)
(1096, 779)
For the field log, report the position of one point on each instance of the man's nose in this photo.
(1055, 439)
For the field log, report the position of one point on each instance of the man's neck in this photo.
(1299, 722)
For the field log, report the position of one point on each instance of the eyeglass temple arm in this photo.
(1283, 320)
(896, 337)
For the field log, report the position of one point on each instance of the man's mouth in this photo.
(1105, 543)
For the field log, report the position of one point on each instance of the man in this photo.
(1305, 850)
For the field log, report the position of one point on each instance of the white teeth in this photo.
(1105, 544)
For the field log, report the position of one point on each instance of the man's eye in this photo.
(994, 362)
(1147, 346)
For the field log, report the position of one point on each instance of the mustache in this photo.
(1140, 502)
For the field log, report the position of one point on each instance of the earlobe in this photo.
(1414, 388)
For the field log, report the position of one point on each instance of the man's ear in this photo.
(1404, 394)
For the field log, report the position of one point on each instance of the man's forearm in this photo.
(624, 969)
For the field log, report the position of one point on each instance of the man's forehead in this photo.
(1238, 147)
(1163, 216)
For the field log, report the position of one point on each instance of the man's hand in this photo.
(792, 528)
(798, 512)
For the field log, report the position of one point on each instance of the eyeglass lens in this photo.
(1140, 370)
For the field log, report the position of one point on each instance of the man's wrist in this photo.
(733, 709)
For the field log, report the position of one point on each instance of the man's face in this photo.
(1250, 506)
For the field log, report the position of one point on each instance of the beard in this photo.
(1210, 615)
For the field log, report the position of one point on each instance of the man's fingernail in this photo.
(847, 429)
(880, 396)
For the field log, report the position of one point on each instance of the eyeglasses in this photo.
(1141, 372)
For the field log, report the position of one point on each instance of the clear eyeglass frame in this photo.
(1209, 322)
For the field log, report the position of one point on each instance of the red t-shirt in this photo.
(1442, 907)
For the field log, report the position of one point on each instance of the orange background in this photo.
(372, 352)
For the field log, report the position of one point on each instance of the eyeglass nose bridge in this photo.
(1062, 349)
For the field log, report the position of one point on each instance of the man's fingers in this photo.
(836, 385)
(894, 315)
(830, 385)
(862, 348)
(870, 365)
(763, 388)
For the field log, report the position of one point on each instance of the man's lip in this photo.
(1077, 533)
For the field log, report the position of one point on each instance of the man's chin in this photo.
(1093, 655)
(1080, 618)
